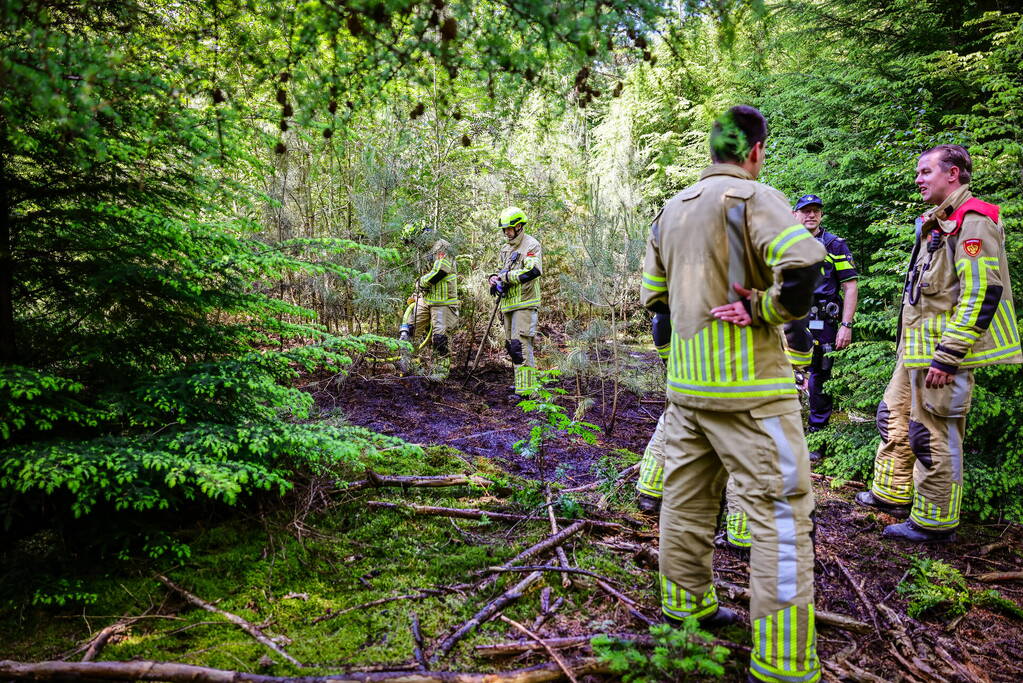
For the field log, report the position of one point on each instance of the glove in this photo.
(497, 289)
(411, 300)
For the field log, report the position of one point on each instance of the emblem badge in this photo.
(972, 247)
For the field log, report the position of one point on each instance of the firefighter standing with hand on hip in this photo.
(725, 261)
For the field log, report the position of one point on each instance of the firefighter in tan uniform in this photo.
(957, 314)
(517, 283)
(726, 262)
(434, 306)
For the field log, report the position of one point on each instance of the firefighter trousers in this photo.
(920, 459)
(765, 453)
(651, 483)
(519, 330)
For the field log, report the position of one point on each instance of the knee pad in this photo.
(514, 348)
(440, 344)
(883, 415)
(920, 443)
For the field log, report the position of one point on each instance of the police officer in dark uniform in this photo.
(831, 316)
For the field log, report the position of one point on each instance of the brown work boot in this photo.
(869, 500)
(914, 533)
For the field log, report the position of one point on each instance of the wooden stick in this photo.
(233, 618)
(427, 593)
(541, 568)
(417, 639)
(185, 673)
(488, 611)
(859, 591)
(534, 550)
(822, 616)
(552, 653)
(631, 469)
(629, 603)
(518, 647)
(547, 614)
(374, 480)
(468, 513)
(999, 576)
(558, 550)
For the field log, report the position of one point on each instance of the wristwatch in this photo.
(849, 325)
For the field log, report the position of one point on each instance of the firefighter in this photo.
(650, 484)
(725, 261)
(957, 315)
(517, 282)
(434, 306)
(831, 316)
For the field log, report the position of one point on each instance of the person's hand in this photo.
(734, 312)
(494, 279)
(844, 338)
(936, 378)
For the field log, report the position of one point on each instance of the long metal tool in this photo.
(486, 334)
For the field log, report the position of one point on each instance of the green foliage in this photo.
(935, 586)
(677, 654)
(549, 421)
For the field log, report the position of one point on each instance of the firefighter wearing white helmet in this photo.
(517, 283)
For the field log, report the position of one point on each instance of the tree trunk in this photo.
(8, 347)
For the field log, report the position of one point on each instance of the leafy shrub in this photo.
(935, 586)
(676, 654)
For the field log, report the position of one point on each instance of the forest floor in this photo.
(368, 577)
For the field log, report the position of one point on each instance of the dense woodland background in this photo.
(202, 200)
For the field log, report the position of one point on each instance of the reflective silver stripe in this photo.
(786, 456)
(955, 451)
(960, 393)
(736, 219)
(788, 563)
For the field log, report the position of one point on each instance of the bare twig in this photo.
(417, 639)
(100, 640)
(374, 480)
(631, 469)
(821, 616)
(998, 576)
(427, 593)
(488, 611)
(534, 550)
(629, 603)
(233, 618)
(518, 647)
(464, 513)
(552, 653)
(867, 604)
(547, 614)
(558, 550)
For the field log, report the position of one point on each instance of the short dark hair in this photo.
(735, 133)
(954, 155)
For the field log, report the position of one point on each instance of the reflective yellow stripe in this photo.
(654, 283)
(785, 239)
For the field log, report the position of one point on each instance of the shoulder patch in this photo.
(972, 246)
(740, 192)
(690, 193)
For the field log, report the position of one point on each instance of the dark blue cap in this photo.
(808, 199)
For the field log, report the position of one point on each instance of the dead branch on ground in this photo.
(631, 469)
(842, 621)
(558, 550)
(417, 640)
(233, 618)
(998, 576)
(374, 480)
(185, 673)
(552, 653)
(532, 551)
(467, 513)
(488, 611)
(521, 646)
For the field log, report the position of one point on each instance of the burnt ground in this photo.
(857, 573)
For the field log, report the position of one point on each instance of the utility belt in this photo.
(823, 311)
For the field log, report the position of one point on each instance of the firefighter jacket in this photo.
(521, 277)
(729, 228)
(957, 305)
(440, 284)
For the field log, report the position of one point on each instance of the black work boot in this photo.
(909, 531)
(869, 500)
(722, 617)
(648, 505)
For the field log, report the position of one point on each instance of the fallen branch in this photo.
(467, 513)
(185, 673)
(547, 614)
(631, 469)
(867, 604)
(233, 618)
(488, 611)
(999, 576)
(540, 568)
(629, 603)
(558, 550)
(521, 646)
(101, 639)
(821, 616)
(374, 480)
(552, 653)
(534, 550)
(417, 640)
